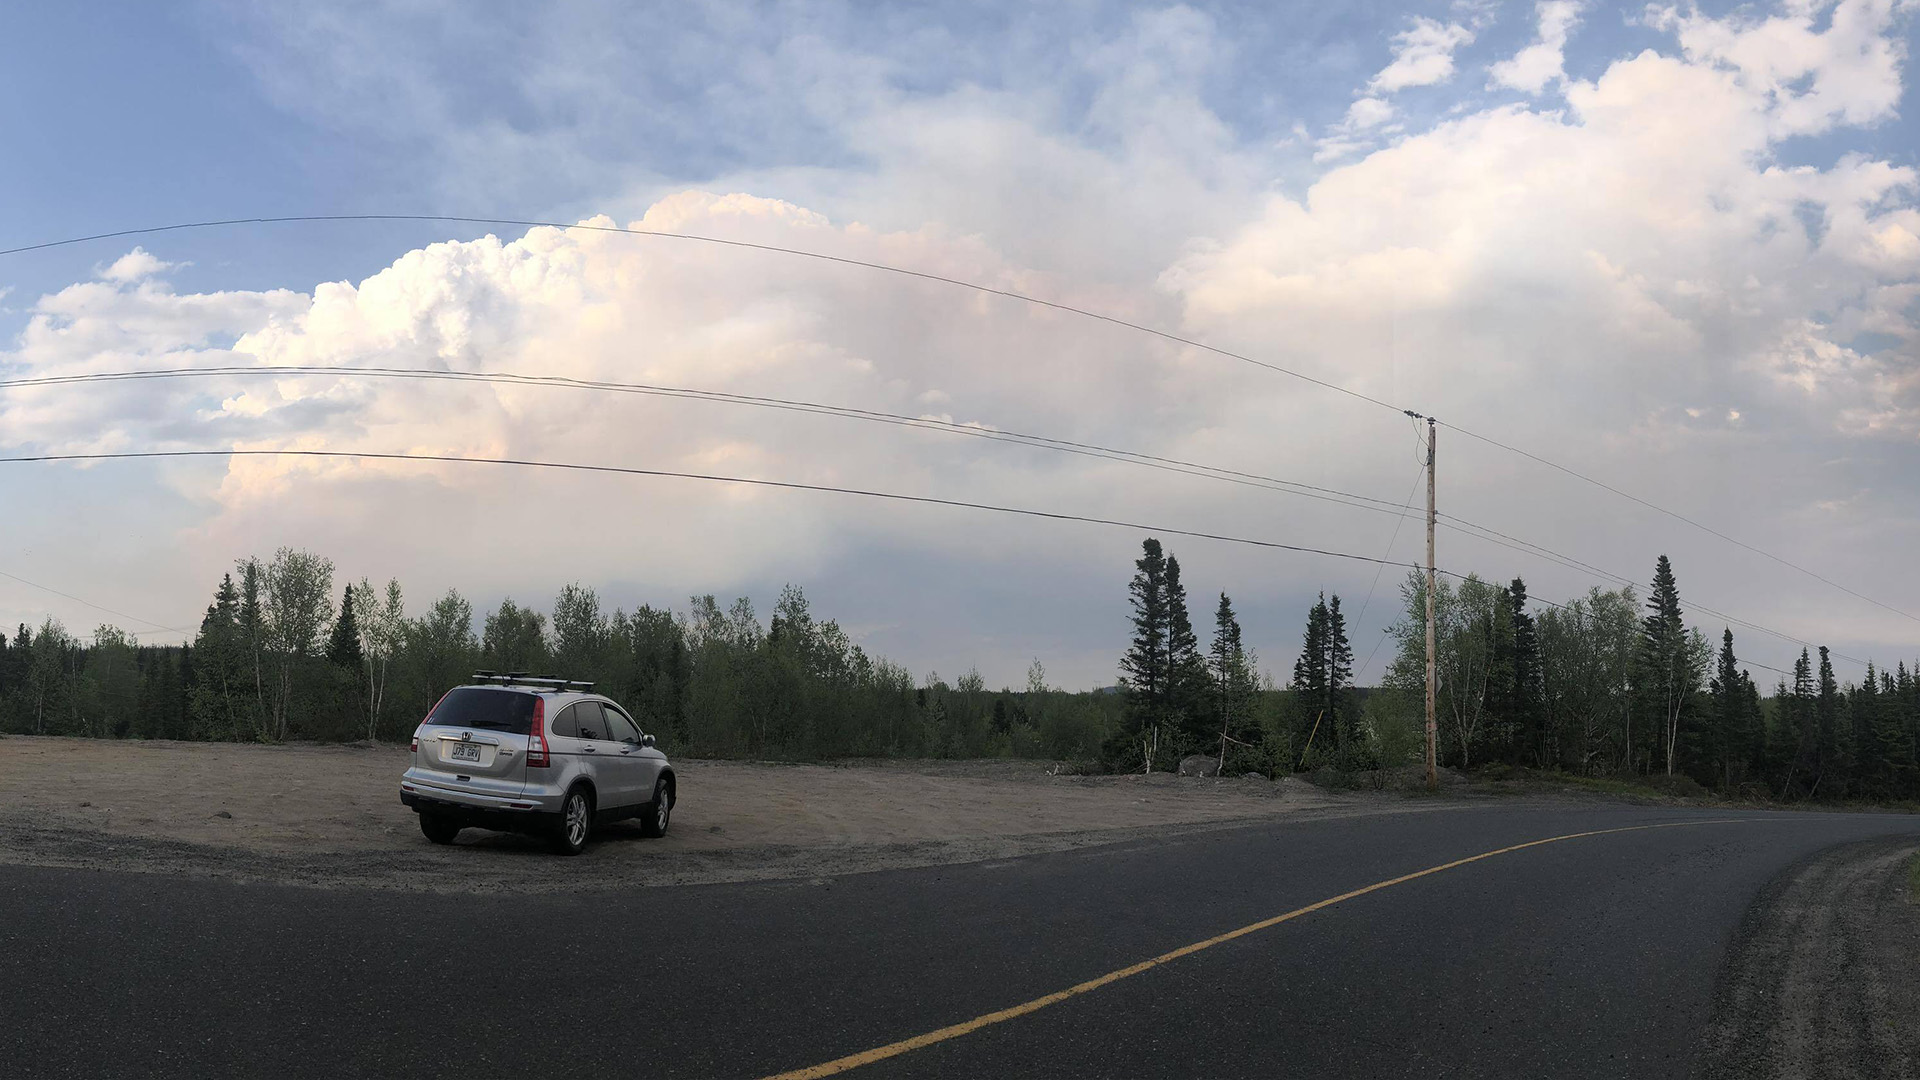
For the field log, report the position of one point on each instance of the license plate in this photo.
(465, 751)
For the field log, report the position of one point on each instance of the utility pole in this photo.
(1433, 778)
(1433, 673)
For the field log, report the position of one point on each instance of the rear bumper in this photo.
(532, 802)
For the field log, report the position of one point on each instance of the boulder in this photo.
(1199, 765)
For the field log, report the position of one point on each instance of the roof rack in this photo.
(521, 678)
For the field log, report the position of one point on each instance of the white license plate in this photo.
(465, 751)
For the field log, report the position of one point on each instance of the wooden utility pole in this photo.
(1433, 779)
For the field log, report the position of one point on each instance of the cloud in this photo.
(1544, 61)
(1368, 112)
(1422, 56)
(1848, 73)
(1571, 280)
(133, 266)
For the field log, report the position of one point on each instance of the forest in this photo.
(1601, 685)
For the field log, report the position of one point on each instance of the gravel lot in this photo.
(331, 815)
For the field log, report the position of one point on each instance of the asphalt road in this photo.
(1594, 956)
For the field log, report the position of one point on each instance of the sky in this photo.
(1673, 248)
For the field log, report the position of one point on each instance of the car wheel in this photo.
(575, 824)
(440, 830)
(655, 815)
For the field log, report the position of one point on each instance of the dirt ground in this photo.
(331, 815)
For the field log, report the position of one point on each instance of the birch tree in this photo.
(296, 605)
(383, 628)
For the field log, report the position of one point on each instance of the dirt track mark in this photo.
(1823, 976)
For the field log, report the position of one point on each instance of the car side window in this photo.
(591, 721)
(567, 724)
(619, 728)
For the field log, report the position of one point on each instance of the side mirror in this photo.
(646, 740)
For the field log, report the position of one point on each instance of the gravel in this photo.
(1823, 976)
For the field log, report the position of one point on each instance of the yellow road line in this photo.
(881, 1053)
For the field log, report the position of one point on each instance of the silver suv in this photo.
(542, 756)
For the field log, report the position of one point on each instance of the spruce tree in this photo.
(1311, 680)
(1145, 671)
(1341, 711)
(1232, 678)
(1727, 692)
(1187, 682)
(1803, 729)
(1666, 671)
(1754, 731)
(343, 646)
(252, 623)
(222, 689)
(1832, 758)
(1906, 690)
(1524, 703)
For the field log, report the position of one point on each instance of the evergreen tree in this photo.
(1341, 712)
(1146, 671)
(343, 645)
(222, 693)
(1754, 731)
(1906, 690)
(1802, 730)
(1724, 743)
(515, 640)
(252, 622)
(1233, 682)
(1310, 680)
(1187, 681)
(1833, 756)
(1322, 686)
(1668, 672)
(1892, 738)
(1522, 705)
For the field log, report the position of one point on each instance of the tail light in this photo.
(436, 708)
(537, 736)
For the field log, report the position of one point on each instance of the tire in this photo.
(655, 816)
(570, 833)
(440, 830)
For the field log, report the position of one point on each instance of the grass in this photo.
(1606, 785)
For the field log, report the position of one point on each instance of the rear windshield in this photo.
(478, 707)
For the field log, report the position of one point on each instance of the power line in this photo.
(157, 628)
(1709, 530)
(1569, 608)
(1084, 449)
(961, 283)
(783, 484)
(775, 248)
(1364, 604)
(1529, 548)
(790, 485)
(1326, 494)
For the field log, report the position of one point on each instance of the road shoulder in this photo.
(1820, 979)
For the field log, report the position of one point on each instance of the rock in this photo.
(86, 804)
(223, 814)
(1199, 765)
(1254, 776)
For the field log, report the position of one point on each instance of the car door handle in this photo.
(588, 748)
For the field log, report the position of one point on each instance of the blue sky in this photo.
(1307, 183)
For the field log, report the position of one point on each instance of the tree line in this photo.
(1600, 685)
(280, 655)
